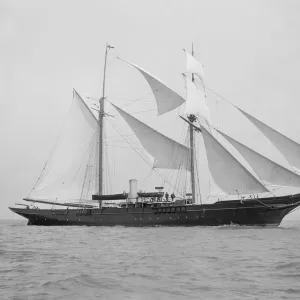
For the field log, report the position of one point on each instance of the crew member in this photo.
(167, 196)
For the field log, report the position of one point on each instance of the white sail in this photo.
(195, 101)
(194, 66)
(265, 168)
(66, 169)
(166, 99)
(228, 173)
(287, 147)
(167, 153)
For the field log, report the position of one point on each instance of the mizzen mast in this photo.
(101, 126)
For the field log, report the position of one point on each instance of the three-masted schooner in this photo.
(140, 208)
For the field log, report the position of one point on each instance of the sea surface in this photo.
(228, 262)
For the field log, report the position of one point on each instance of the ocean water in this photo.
(229, 262)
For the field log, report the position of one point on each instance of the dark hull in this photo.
(256, 212)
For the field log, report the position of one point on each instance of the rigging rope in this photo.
(41, 176)
(197, 174)
(88, 154)
(138, 99)
(135, 112)
(221, 97)
(150, 165)
(175, 152)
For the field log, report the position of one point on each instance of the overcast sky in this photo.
(250, 50)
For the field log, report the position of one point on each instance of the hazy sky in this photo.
(250, 50)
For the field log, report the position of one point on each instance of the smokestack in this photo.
(132, 189)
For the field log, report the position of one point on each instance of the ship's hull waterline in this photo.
(256, 212)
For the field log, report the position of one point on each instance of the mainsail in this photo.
(195, 101)
(228, 173)
(287, 147)
(194, 66)
(72, 158)
(166, 99)
(167, 153)
(265, 168)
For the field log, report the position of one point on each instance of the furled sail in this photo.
(167, 153)
(195, 101)
(265, 168)
(288, 148)
(72, 157)
(194, 66)
(228, 173)
(166, 98)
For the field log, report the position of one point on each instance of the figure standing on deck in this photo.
(167, 196)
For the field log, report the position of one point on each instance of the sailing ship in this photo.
(245, 178)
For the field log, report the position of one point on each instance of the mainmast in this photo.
(192, 119)
(101, 127)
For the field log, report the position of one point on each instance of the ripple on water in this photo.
(228, 262)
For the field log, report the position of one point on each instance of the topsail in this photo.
(166, 99)
(194, 66)
(195, 101)
(288, 148)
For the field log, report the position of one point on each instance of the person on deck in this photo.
(167, 196)
(173, 196)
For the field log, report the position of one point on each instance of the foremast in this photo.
(101, 126)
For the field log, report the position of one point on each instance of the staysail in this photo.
(265, 168)
(228, 173)
(195, 101)
(287, 147)
(194, 66)
(166, 99)
(76, 148)
(168, 154)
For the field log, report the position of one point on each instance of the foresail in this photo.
(287, 147)
(265, 168)
(166, 99)
(195, 101)
(228, 173)
(194, 66)
(76, 147)
(168, 154)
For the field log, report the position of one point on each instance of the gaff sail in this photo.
(75, 150)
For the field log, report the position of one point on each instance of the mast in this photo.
(192, 119)
(193, 55)
(101, 126)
